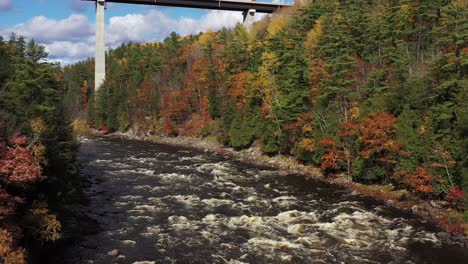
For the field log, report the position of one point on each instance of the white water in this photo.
(161, 204)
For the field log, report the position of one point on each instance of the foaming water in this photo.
(163, 204)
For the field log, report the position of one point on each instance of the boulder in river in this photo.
(113, 253)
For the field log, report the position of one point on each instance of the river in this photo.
(164, 204)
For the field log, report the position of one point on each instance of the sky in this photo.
(67, 27)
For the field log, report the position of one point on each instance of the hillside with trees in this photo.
(36, 153)
(371, 91)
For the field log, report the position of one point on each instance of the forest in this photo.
(37, 169)
(374, 92)
(371, 91)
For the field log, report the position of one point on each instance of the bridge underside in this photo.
(230, 5)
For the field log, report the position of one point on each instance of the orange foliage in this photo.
(176, 105)
(333, 157)
(420, 181)
(378, 138)
(455, 196)
(307, 144)
(349, 129)
(6, 242)
(302, 128)
(16, 257)
(10, 252)
(197, 121)
(169, 128)
(140, 104)
(317, 73)
(237, 85)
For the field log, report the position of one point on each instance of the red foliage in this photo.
(420, 181)
(301, 128)
(333, 156)
(169, 128)
(177, 105)
(198, 122)
(454, 196)
(18, 167)
(327, 143)
(378, 138)
(456, 228)
(139, 104)
(17, 164)
(8, 203)
(104, 129)
(349, 129)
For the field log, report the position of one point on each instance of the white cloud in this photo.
(155, 25)
(72, 38)
(45, 30)
(68, 49)
(6, 5)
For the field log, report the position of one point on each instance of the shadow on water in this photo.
(165, 204)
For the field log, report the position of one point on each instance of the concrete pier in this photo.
(249, 8)
(100, 60)
(249, 18)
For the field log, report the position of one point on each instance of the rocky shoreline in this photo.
(430, 211)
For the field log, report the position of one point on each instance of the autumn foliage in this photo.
(455, 196)
(18, 165)
(419, 181)
(333, 157)
(104, 129)
(378, 138)
(369, 89)
(20, 168)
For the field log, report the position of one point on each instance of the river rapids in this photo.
(163, 204)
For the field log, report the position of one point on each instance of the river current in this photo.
(163, 204)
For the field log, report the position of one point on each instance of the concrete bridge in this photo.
(247, 7)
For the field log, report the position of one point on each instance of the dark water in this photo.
(163, 204)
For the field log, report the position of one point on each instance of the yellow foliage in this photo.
(207, 38)
(265, 84)
(16, 257)
(355, 112)
(259, 27)
(6, 242)
(314, 35)
(405, 6)
(307, 144)
(39, 152)
(317, 73)
(46, 227)
(38, 126)
(307, 128)
(276, 25)
(80, 128)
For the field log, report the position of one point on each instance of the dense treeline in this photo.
(36, 155)
(372, 90)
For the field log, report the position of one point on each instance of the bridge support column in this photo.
(100, 60)
(249, 18)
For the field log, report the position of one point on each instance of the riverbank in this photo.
(431, 211)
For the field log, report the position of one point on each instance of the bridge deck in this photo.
(231, 5)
